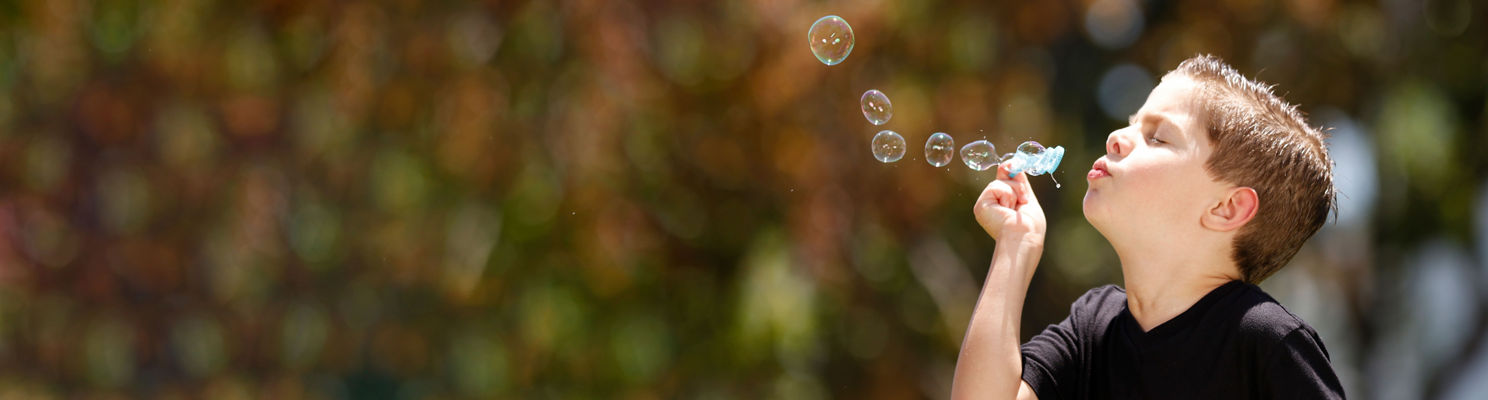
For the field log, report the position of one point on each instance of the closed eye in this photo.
(1150, 131)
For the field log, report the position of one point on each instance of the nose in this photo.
(1117, 144)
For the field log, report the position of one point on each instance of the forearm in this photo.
(990, 365)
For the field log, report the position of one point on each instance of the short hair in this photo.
(1262, 142)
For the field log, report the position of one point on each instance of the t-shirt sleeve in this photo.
(1054, 360)
(1050, 359)
(1299, 369)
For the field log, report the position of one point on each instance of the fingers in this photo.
(1017, 183)
(1007, 195)
(1003, 174)
(1000, 193)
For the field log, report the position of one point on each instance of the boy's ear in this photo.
(1233, 211)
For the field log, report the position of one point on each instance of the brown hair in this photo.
(1263, 143)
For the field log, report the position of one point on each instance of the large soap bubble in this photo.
(980, 155)
(831, 39)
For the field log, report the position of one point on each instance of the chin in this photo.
(1097, 209)
(1090, 209)
(1091, 201)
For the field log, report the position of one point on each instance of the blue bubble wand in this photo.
(1032, 158)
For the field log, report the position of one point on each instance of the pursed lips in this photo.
(1098, 170)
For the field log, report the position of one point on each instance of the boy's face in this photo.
(1152, 182)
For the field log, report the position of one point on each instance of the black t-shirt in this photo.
(1235, 343)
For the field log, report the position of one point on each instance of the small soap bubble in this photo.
(979, 155)
(831, 39)
(1031, 148)
(876, 107)
(888, 146)
(940, 149)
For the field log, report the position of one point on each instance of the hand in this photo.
(1007, 209)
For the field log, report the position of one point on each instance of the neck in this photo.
(1159, 288)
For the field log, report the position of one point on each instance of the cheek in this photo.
(1155, 188)
(1175, 193)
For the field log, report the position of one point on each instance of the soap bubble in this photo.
(1031, 148)
(980, 155)
(888, 146)
(831, 39)
(939, 149)
(876, 107)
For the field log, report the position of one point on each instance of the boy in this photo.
(1214, 185)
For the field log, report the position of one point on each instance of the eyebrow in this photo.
(1132, 120)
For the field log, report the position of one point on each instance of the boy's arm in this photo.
(990, 364)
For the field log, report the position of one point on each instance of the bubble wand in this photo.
(1031, 157)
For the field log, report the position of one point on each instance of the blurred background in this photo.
(669, 199)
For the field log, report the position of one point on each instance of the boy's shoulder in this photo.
(1262, 317)
(1279, 338)
(1257, 321)
(1102, 296)
(1099, 305)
